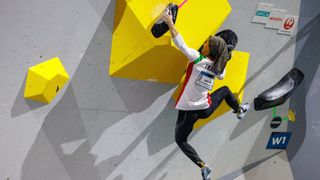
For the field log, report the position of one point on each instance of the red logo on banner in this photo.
(288, 24)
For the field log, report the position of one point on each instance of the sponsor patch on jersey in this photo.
(205, 80)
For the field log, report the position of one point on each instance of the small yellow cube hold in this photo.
(291, 115)
(44, 80)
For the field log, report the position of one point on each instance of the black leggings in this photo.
(186, 120)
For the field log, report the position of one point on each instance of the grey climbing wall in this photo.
(101, 128)
(302, 152)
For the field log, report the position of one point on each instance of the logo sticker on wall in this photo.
(262, 13)
(275, 19)
(276, 122)
(279, 140)
(288, 25)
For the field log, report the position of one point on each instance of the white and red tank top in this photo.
(199, 79)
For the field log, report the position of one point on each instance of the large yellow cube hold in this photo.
(45, 80)
(137, 55)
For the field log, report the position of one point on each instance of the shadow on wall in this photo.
(247, 168)
(251, 119)
(305, 31)
(46, 157)
(162, 130)
(92, 103)
(64, 123)
(307, 60)
(130, 147)
(155, 171)
(258, 153)
(22, 105)
(118, 177)
(138, 95)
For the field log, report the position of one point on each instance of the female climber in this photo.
(195, 102)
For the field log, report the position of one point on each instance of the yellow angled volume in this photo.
(136, 54)
(45, 80)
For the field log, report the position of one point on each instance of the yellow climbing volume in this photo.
(45, 80)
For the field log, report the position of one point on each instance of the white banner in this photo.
(289, 25)
(262, 13)
(275, 18)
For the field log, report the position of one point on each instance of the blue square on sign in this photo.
(279, 140)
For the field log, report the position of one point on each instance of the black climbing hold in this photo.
(280, 92)
(160, 27)
(276, 122)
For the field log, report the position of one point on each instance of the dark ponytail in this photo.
(219, 53)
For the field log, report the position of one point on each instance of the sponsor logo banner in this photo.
(279, 140)
(275, 18)
(288, 25)
(262, 13)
